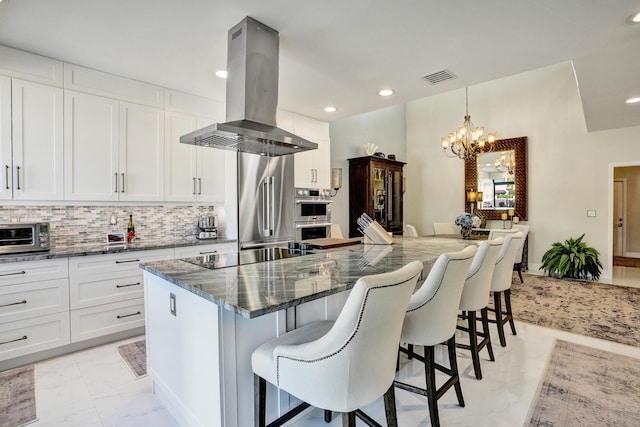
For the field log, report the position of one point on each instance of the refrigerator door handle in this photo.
(272, 215)
(265, 207)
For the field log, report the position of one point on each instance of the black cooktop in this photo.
(250, 256)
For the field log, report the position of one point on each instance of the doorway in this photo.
(625, 218)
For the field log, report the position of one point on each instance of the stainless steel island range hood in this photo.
(252, 97)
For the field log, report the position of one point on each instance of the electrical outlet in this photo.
(113, 220)
(591, 213)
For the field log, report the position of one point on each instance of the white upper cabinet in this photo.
(95, 82)
(91, 147)
(192, 174)
(313, 167)
(141, 153)
(37, 142)
(6, 181)
(27, 66)
(113, 149)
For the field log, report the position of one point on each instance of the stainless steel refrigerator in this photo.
(265, 200)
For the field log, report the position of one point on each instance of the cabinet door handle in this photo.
(18, 177)
(122, 182)
(14, 273)
(6, 176)
(115, 178)
(311, 175)
(130, 284)
(194, 186)
(128, 260)
(14, 303)
(17, 339)
(199, 186)
(128, 315)
(208, 252)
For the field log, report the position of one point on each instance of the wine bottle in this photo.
(131, 230)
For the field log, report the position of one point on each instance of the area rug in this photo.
(135, 356)
(17, 397)
(593, 309)
(584, 386)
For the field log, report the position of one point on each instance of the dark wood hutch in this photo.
(376, 187)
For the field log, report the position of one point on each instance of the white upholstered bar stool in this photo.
(445, 228)
(501, 284)
(475, 297)
(431, 320)
(517, 262)
(343, 365)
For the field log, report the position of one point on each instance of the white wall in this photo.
(385, 128)
(570, 171)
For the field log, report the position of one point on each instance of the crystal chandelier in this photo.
(468, 141)
(504, 164)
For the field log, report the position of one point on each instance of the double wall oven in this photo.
(312, 213)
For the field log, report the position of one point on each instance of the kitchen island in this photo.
(203, 324)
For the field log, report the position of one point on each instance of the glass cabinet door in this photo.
(394, 198)
(380, 195)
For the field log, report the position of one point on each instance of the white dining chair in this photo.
(445, 228)
(517, 266)
(431, 320)
(411, 231)
(344, 365)
(475, 297)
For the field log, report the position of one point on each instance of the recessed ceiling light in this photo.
(634, 19)
(222, 74)
(385, 92)
(633, 100)
(330, 109)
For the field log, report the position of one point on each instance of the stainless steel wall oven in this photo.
(312, 213)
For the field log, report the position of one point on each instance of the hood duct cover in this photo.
(252, 97)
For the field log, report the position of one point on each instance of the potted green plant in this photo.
(572, 259)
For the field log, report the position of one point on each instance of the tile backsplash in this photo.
(90, 224)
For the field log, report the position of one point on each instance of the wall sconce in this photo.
(336, 180)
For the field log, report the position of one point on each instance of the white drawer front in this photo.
(189, 251)
(89, 290)
(129, 261)
(12, 273)
(18, 302)
(106, 319)
(33, 335)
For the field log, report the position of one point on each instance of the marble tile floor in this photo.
(95, 388)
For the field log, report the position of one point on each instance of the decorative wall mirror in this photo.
(501, 176)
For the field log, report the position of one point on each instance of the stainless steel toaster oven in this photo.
(24, 237)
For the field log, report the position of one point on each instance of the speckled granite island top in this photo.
(256, 289)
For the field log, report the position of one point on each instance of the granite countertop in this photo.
(63, 251)
(253, 290)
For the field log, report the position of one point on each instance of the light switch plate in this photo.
(591, 213)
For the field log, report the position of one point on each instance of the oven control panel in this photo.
(312, 193)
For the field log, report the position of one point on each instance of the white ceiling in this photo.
(341, 52)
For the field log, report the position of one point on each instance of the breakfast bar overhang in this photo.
(202, 324)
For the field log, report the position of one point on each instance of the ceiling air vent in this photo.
(438, 77)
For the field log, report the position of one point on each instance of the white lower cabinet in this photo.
(34, 334)
(106, 292)
(24, 301)
(34, 307)
(105, 319)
